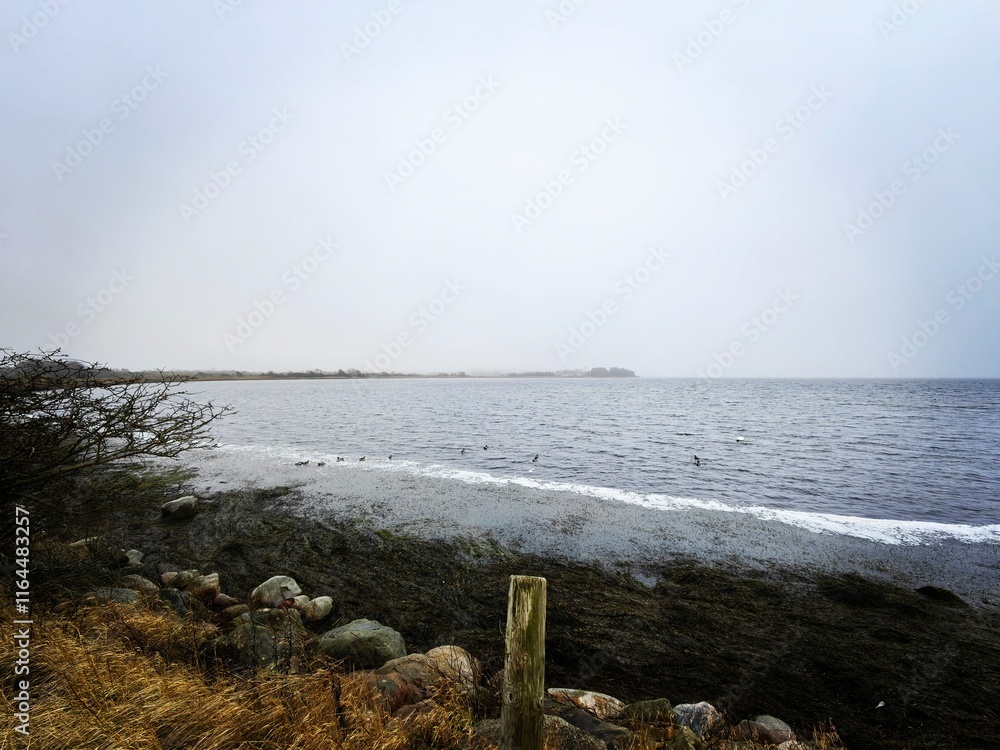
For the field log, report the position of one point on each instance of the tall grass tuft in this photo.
(111, 676)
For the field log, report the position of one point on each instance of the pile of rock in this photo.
(585, 719)
(270, 631)
(181, 588)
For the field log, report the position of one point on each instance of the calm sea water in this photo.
(908, 450)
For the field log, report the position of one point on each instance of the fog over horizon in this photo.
(728, 189)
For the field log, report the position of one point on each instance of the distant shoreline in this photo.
(198, 375)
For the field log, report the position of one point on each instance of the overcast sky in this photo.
(732, 189)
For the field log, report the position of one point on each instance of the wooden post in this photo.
(521, 719)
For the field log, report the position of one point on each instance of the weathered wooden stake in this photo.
(521, 719)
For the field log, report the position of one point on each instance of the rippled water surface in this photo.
(910, 450)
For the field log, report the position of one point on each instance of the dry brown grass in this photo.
(118, 677)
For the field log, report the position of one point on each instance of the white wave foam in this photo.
(887, 531)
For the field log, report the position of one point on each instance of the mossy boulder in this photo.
(362, 644)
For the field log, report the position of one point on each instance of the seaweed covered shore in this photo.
(888, 666)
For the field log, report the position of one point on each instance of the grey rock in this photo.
(133, 557)
(231, 613)
(204, 587)
(557, 732)
(699, 717)
(685, 739)
(274, 618)
(182, 579)
(439, 666)
(253, 644)
(180, 601)
(224, 601)
(318, 609)
(259, 616)
(613, 736)
(600, 705)
(140, 584)
(277, 642)
(766, 728)
(86, 542)
(362, 644)
(275, 590)
(182, 507)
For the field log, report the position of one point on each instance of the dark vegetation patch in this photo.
(942, 595)
(808, 650)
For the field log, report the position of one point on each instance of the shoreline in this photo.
(617, 535)
(885, 663)
(793, 641)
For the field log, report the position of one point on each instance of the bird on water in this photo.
(535, 459)
(697, 461)
(362, 458)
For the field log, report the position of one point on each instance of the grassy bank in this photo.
(809, 650)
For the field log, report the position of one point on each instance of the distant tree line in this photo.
(596, 372)
(610, 372)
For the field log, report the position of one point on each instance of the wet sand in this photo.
(583, 528)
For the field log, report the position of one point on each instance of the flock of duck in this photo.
(697, 461)
(341, 458)
(323, 463)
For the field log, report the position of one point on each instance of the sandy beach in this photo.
(584, 528)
